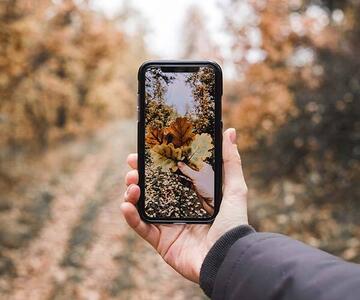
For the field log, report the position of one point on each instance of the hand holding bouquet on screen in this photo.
(184, 247)
(178, 143)
(178, 147)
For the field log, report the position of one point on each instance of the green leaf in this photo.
(200, 150)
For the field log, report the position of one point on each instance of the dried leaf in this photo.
(200, 150)
(166, 157)
(180, 133)
(154, 136)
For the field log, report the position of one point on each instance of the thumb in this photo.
(186, 170)
(234, 182)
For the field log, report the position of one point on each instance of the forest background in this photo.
(68, 81)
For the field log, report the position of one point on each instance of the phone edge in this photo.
(140, 133)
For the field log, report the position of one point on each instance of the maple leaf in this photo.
(166, 157)
(200, 150)
(154, 136)
(180, 133)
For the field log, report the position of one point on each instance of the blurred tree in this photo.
(299, 109)
(156, 83)
(262, 48)
(197, 42)
(203, 87)
(63, 70)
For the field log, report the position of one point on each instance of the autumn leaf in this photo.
(186, 151)
(200, 150)
(166, 156)
(180, 133)
(154, 136)
(178, 143)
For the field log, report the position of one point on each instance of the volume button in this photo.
(137, 108)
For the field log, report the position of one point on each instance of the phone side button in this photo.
(137, 108)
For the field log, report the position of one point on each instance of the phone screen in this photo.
(180, 151)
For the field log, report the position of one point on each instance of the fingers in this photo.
(206, 169)
(132, 177)
(132, 194)
(132, 160)
(186, 170)
(234, 181)
(147, 231)
(208, 206)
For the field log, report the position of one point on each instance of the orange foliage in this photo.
(266, 100)
(63, 71)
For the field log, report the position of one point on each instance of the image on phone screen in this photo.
(179, 143)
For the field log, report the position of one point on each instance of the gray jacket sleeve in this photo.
(272, 266)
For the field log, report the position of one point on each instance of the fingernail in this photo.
(232, 135)
(128, 190)
(131, 186)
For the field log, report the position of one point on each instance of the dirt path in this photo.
(85, 250)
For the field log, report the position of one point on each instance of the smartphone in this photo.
(179, 141)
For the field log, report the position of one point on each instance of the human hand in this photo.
(203, 181)
(184, 247)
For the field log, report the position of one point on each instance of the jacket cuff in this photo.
(217, 254)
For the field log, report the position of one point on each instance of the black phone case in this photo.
(217, 135)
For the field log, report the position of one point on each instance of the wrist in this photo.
(217, 254)
(199, 262)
